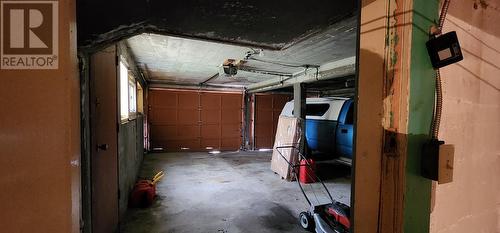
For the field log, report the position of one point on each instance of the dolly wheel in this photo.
(306, 221)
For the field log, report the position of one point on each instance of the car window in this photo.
(349, 119)
(317, 109)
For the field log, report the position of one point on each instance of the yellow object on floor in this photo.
(157, 177)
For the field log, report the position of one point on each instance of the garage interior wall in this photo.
(470, 121)
(130, 155)
(40, 141)
(130, 140)
(195, 120)
(268, 107)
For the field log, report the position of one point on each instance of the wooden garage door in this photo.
(195, 120)
(267, 110)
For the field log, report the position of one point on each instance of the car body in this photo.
(329, 127)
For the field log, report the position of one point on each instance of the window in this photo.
(140, 98)
(123, 91)
(128, 93)
(132, 96)
(316, 109)
(349, 119)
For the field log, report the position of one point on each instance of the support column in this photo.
(299, 98)
(417, 195)
(248, 122)
(299, 110)
(394, 108)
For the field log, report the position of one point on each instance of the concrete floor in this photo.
(227, 192)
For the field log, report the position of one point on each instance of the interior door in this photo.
(104, 152)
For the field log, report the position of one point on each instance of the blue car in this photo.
(329, 127)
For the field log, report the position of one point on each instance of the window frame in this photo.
(127, 81)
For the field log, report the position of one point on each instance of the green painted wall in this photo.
(422, 87)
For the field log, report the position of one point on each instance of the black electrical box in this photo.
(230, 69)
(444, 50)
(430, 159)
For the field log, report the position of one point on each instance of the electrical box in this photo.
(430, 159)
(444, 50)
(437, 161)
(446, 160)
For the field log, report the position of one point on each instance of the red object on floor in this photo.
(340, 212)
(306, 171)
(143, 194)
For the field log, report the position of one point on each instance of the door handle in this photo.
(102, 147)
(343, 130)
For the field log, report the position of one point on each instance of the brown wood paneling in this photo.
(196, 120)
(267, 110)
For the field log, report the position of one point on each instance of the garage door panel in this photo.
(195, 120)
(280, 100)
(264, 101)
(158, 144)
(189, 144)
(163, 99)
(232, 117)
(211, 131)
(187, 132)
(163, 131)
(264, 142)
(188, 100)
(275, 117)
(187, 116)
(210, 144)
(177, 145)
(231, 130)
(264, 116)
(267, 110)
(210, 116)
(164, 115)
(263, 130)
(230, 143)
(210, 101)
(168, 145)
(231, 101)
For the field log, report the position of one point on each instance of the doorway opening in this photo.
(209, 119)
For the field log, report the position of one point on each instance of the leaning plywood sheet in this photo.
(288, 133)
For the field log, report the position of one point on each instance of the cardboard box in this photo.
(288, 133)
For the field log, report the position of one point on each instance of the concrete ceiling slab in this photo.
(258, 23)
(178, 60)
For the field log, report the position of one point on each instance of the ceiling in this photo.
(185, 42)
(266, 24)
(185, 61)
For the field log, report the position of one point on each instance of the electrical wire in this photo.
(250, 56)
(439, 106)
(444, 11)
(436, 122)
(280, 63)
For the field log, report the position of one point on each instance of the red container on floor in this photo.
(307, 171)
(143, 194)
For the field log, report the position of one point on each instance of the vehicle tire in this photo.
(306, 221)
